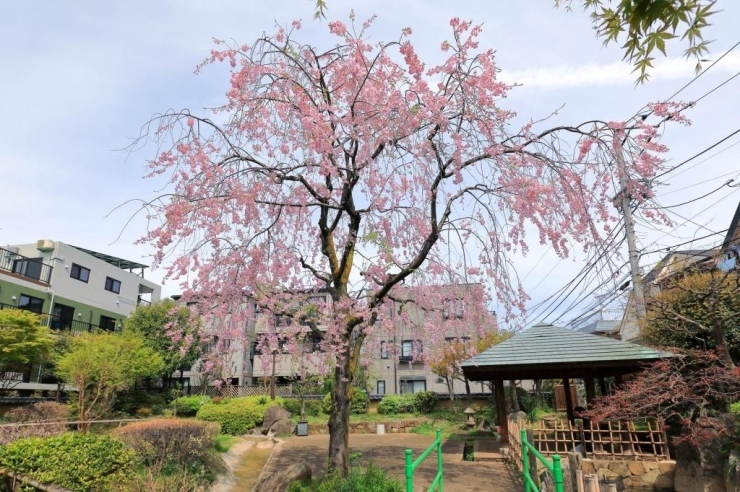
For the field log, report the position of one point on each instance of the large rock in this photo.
(282, 427)
(272, 415)
(280, 481)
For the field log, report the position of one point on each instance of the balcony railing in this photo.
(25, 267)
(59, 324)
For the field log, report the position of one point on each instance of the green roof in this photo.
(544, 346)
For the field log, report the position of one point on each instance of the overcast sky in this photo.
(80, 78)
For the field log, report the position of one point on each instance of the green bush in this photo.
(426, 401)
(370, 479)
(237, 416)
(359, 402)
(189, 405)
(735, 408)
(129, 402)
(77, 462)
(393, 404)
(293, 405)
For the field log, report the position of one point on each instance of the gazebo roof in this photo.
(545, 351)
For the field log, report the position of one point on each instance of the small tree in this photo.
(101, 365)
(446, 359)
(697, 311)
(169, 330)
(23, 340)
(690, 392)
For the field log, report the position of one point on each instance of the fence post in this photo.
(557, 473)
(525, 460)
(409, 472)
(439, 460)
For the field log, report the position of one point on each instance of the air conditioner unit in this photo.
(440, 380)
(45, 245)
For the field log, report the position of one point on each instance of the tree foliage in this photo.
(647, 25)
(169, 330)
(101, 365)
(690, 392)
(697, 311)
(23, 340)
(362, 172)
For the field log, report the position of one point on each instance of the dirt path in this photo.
(387, 451)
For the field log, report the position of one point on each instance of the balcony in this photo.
(57, 323)
(23, 267)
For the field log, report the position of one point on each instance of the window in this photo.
(383, 350)
(107, 323)
(30, 303)
(453, 308)
(413, 385)
(407, 349)
(112, 285)
(381, 386)
(79, 272)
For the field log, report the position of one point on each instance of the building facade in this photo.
(75, 289)
(395, 357)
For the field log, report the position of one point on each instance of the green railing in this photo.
(554, 467)
(413, 465)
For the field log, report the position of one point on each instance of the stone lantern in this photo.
(470, 414)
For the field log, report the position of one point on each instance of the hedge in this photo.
(189, 405)
(77, 462)
(237, 416)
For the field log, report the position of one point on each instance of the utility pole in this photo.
(622, 202)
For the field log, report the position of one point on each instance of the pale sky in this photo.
(80, 78)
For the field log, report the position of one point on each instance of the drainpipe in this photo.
(51, 309)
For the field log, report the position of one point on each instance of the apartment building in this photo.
(391, 371)
(76, 289)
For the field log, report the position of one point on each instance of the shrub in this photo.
(77, 462)
(189, 405)
(160, 443)
(393, 404)
(293, 405)
(237, 416)
(130, 402)
(47, 411)
(370, 479)
(425, 401)
(735, 408)
(359, 402)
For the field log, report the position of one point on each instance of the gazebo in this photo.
(549, 352)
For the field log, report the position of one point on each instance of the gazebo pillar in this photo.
(602, 385)
(498, 389)
(590, 390)
(568, 399)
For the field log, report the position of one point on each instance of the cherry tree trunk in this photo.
(339, 416)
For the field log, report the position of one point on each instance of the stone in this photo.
(281, 480)
(651, 476)
(517, 416)
(620, 468)
(650, 465)
(272, 415)
(666, 467)
(606, 473)
(484, 426)
(588, 467)
(663, 483)
(282, 427)
(636, 468)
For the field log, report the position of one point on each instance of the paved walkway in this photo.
(387, 451)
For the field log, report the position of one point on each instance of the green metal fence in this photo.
(413, 465)
(554, 467)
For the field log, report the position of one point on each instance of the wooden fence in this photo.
(611, 440)
(237, 391)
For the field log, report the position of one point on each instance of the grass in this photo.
(224, 443)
